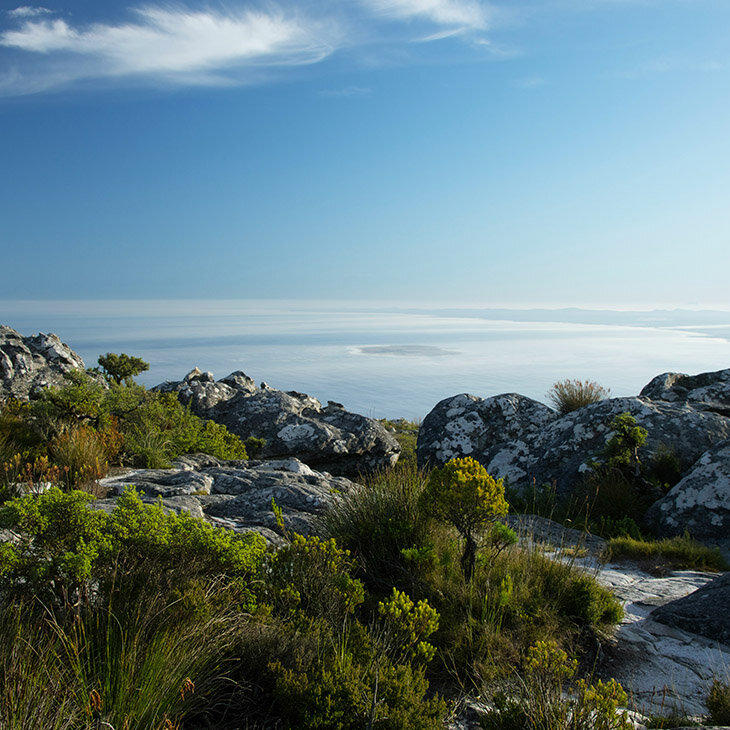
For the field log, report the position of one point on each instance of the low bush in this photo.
(570, 395)
(538, 700)
(384, 528)
(718, 703)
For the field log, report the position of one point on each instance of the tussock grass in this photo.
(570, 395)
(676, 552)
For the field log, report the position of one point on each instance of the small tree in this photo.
(464, 494)
(121, 368)
(622, 448)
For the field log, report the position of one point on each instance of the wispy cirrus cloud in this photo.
(178, 45)
(28, 11)
(237, 44)
(461, 13)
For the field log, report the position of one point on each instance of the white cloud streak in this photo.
(178, 45)
(463, 13)
(27, 11)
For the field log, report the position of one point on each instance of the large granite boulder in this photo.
(498, 432)
(293, 424)
(526, 442)
(30, 364)
(705, 392)
(236, 494)
(700, 501)
(562, 452)
(704, 612)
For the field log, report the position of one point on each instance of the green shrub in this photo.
(70, 554)
(384, 528)
(718, 703)
(121, 368)
(464, 494)
(589, 603)
(665, 469)
(622, 449)
(313, 576)
(537, 701)
(338, 693)
(570, 395)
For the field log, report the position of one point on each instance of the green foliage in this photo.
(570, 395)
(312, 576)
(589, 603)
(384, 528)
(718, 703)
(665, 469)
(464, 494)
(622, 449)
(69, 553)
(679, 553)
(121, 368)
(340, 693)
(406, 625)
(538, 702)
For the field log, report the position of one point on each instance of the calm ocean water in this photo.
(385, 360)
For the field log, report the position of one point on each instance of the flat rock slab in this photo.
(663, 668)
(237, 494)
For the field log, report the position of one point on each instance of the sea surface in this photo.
(387, 360)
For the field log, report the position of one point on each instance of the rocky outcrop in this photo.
(525, 441)
(498, 432)
(706, 391)
(30, 364)
(704, 612)
(292, 424)
(700, 501)
(236, 494)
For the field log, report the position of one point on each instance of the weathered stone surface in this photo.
(705, 392)
(700, 501)
(704, 612)
(563, 449)
(237, 494)
(497, 431)
(528, 443)
(29, 364)
(292, 424)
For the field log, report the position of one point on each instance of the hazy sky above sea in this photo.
(532, 152)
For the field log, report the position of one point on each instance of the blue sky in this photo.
(544, 152)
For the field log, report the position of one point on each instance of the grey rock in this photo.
(700, 501)
(238, 494)
(498, 432)
(563, 450)
(526, 442)
(706, 391)
(29, 364)
(171, 504)
(292, 424)
(704, 612)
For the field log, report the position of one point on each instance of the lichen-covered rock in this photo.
(563, 450)
(526, 442)
(30, 364)
(237, 494)
(700, 501)
(292, 424)
(706, 391)
(496, 431)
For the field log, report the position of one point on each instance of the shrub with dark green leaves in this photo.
(121, 368)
